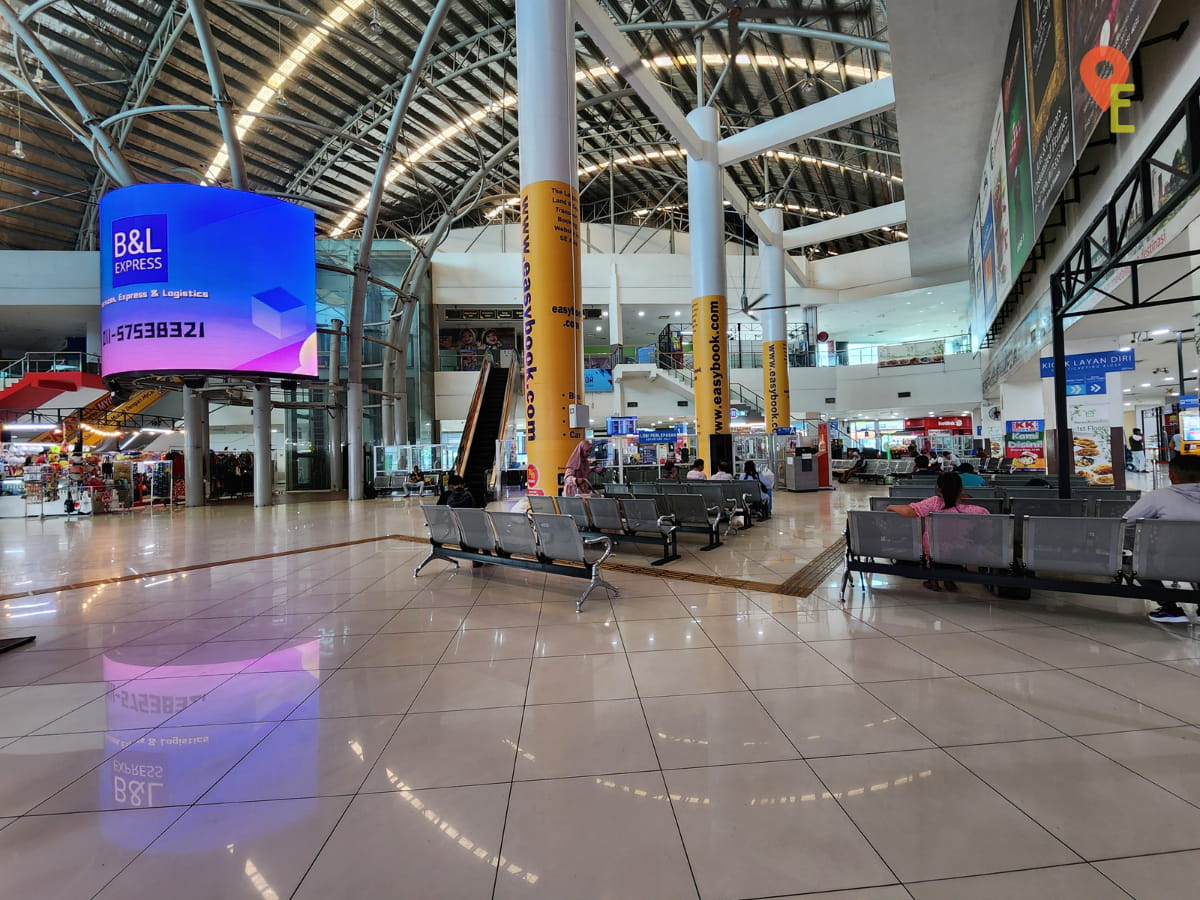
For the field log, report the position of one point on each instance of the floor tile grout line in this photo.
(809, 767)
(687, 857)
(516, 752)
(317, 855)
(1073, 738)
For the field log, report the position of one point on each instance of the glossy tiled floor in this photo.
(323, 725)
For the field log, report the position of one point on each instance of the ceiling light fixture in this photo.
(1124, 349)
(1158, 331)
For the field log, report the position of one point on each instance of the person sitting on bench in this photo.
(415, 482)
(1180, 501)
(456, 495)
(946, 500)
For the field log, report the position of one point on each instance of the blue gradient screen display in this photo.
(205, 280)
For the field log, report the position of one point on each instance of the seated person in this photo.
(765, 479)
(945, 500)
(723, 472)
(859, 464)
(1179, 501)
(949, 461)
(669, 472)
(921, 466)
(414, 482)
(456, 495)
(696, 472)
(969, 477)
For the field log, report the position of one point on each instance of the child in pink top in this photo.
(946, 500)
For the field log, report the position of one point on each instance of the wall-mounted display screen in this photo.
(205, 280)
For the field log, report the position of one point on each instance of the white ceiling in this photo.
(947, 58)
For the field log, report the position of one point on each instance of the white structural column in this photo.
(552, 336)
(335, 411)
(706, 224)
(195, 407)
(777, 393)
(262, 444)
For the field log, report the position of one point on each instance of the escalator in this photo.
(485, 425)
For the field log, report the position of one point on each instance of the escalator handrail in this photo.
(468, 435)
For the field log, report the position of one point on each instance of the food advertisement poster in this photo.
(918, 353)
(1092, 440)
(1025, 444)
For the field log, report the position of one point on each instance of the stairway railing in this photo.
(681, 371)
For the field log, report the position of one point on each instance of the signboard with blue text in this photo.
(203, 279)
(1081, 364)
(1189, 401)
(657, 437)
(1091, 386)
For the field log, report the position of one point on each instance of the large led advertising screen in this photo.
(204, 280)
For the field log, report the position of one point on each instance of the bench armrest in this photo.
(602, 540)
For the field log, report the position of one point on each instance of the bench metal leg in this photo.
(847, 579)
(714, 539)
(596, 582)
(430, 558)
(670, 552)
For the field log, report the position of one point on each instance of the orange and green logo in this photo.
(1106, 90)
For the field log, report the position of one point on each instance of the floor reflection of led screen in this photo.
(161, 767)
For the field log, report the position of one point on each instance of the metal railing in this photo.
(73, 361)
(679, 367)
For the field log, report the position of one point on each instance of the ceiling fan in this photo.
(734, 12)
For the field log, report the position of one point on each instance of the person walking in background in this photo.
(1180, 501)
(1137, 448)
(696, 472)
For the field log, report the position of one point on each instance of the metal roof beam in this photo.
(846, 226)
(852, 106)
(628, 63)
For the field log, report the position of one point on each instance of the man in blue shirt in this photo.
(969, 479)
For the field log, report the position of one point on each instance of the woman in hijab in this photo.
(575, 479)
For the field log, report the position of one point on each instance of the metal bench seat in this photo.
(538, 541)
(692, 514)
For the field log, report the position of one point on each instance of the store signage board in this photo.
(198, 280)
(1189, 401)
(1092, 386)
(657, 437)
(1090, 364)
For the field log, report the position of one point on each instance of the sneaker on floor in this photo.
(1170, 615)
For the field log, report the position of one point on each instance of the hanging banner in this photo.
(1025, 444)
(916, 353)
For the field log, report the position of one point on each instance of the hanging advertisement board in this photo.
(1051, 133)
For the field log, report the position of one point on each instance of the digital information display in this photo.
(206, 280)
(622, 425)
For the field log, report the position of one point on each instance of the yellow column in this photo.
(777, 392)
(552, 337)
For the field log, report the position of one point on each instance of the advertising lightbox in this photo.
(204, 280)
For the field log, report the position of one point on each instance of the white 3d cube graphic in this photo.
(278, 312)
